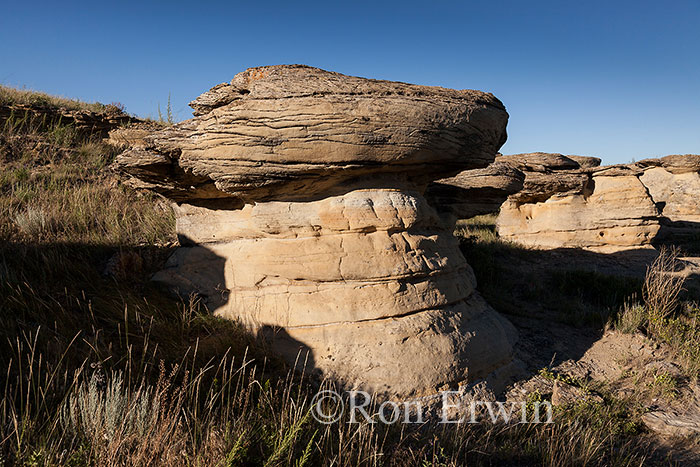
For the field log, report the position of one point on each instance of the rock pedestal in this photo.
(368, 281)
(301, 214)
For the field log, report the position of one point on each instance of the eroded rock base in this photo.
(369, 282)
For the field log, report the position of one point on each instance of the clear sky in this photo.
(614, 79)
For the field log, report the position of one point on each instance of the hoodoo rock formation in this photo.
(572, 202)
(301, 212)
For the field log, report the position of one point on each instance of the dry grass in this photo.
(55, 188)
(225, 411)
(14, 96)
(481, 228)
(663, 316)
(520, 281)
(662, 287)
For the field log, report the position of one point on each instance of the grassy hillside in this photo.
(13, 96)
(102, 368)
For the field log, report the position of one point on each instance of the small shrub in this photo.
(632, 318)
(32, 222)
(119, 422)
(169, 118)
(662, 314)
(665, 385)
(662, 286)
(682, 334)
(115, 108)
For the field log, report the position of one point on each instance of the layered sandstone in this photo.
(673, 183)
(301, 213)
(294, 132)
(570, 202)
(133, 135)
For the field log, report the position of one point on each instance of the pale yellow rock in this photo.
(572, 202)
(130, 136)
(366, 281)
(413, 355)
(618, 214)
(678, 194)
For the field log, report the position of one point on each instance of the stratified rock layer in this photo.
(302, 215)
(366, 280)
(295, 132)
(566, 205)
(568, 201)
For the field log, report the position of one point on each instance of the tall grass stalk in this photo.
(662, 286)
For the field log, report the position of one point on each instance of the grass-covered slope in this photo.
(10, 96)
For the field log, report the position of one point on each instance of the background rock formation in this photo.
(570, 201)
(673, 183)
(301, 208)
(564, 204)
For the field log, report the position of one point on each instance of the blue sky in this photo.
(615, 79)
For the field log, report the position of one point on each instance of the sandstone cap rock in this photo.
(539, 161)
(293, 132)
(549, 174)
(475, 192)
(675, 163)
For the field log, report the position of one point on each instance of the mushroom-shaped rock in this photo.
(546, 175)
(571, 202)
(301, 212)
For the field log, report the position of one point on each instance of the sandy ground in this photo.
(627, 365)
